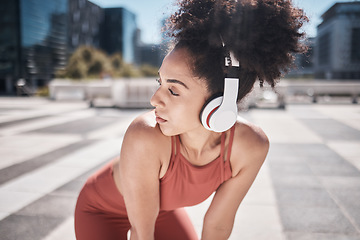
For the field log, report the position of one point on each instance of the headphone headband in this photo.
(231, 61)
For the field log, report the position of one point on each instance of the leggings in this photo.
(100, 213)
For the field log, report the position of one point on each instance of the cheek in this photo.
(188, 114)
(194, 109)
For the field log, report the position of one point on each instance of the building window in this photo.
(85, 27)
(81, 3)
(75, 40)
(76, 16)
(355, 45)
(324, 49)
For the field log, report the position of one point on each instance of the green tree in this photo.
(99, 65)
(129, 71)
(89, 62)
(76, 69)
(149, 71)
(117, 64)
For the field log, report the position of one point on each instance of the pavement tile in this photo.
(261, 192)
(32, 124)
(298, 152)
(19, 169)
(320, 236)
(304, 198)
(57, 207)
(65, 231)
(27, 227)
(331, 129)
(287, 128)
(257, 222)
(305, 112)
(347, 114)
(3, 215)
(341, 182)
(335, 169)
(11, 202)
(297, 168)
(315, 220)
(43, 180)
(81, 126)
(354, 215)
(308, 187)
(349, 201)
(22, 147)
(349, 150)
(50, 206)
(8, 124)
(73, 188)
(299, 181)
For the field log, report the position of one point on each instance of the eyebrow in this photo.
(177, 81)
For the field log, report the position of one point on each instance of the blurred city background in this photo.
(46, 45)
(74, 73)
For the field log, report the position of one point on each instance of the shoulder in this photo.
(144, 136)
(250, 135)
(250, 145)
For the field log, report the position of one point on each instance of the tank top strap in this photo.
(231, 139)
(177, 146)
(173, 146)
(222, 151)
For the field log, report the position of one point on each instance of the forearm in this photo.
(215, 233)
(142, 219)
(142, 206)
(216, 228)
(141, 235)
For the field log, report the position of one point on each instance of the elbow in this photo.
(216, 230)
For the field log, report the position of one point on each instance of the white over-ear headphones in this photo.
(220, 113)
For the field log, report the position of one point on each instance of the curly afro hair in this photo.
(264, 35)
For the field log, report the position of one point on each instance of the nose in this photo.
(156, 99)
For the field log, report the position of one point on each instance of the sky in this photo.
(150, 13)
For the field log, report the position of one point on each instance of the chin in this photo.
(167, 132)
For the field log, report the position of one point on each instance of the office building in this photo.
(38, 36)
(337, 47)
(119, 33)
(33, 36)
(84, 24)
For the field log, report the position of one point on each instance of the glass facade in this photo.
(337, 48)
(9, 45)
(119, 33)
(32, 41)
(37, 37)
(324, 49)
(129, 35)
(84, 21)
(355, 45)
(43, 39)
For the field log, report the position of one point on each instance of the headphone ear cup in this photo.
(209, 109)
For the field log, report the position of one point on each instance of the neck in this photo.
(199, 142)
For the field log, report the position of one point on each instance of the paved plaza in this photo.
(308, 188)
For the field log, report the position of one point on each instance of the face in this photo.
(180, 96)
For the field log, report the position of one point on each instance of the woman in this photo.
(171, 157)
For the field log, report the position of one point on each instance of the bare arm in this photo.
(139, 180)
(247, 160)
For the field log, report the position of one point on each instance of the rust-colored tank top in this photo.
(185, 184)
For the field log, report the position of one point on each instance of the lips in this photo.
(159, 119)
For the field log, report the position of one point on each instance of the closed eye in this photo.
(172, 92)
(158, 80)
